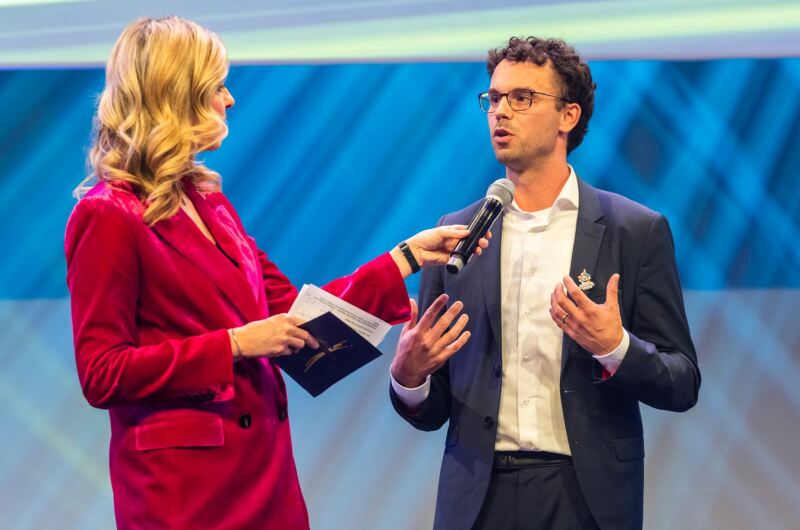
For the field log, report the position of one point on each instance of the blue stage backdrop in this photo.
(332, 165)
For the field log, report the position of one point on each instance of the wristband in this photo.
(412, 261)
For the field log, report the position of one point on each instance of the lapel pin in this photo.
(585, 280)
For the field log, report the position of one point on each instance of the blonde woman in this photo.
(177, 316)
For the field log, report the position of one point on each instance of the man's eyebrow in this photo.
(495, 91)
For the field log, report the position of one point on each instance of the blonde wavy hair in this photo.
(155, 114)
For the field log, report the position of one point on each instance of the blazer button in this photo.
(497, 369)
(488, 422)
(282, 414)
(245, 421)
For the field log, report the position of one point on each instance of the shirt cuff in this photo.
(412, 397)
(613, 359)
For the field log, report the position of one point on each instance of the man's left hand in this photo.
(596, 327)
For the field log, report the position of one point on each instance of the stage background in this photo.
(329, 165)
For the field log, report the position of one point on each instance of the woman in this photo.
(177, 316)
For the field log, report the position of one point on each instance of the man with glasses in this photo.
(575, 317)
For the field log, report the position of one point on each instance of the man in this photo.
(575, 316)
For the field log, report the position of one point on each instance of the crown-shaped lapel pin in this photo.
(585, 280)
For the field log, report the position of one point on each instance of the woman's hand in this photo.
(271, 337)
(433, 246)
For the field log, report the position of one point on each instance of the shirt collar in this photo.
(567, 199)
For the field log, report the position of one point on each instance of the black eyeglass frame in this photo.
(484, 96)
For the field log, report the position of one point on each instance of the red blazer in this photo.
(197, 441)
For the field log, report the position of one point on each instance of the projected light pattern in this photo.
(331, 165)
(81, 33)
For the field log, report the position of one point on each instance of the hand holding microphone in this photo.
(433, 247)
(498, 196)
(455, 244)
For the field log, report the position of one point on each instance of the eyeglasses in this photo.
(518, 99)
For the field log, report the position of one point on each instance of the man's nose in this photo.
(503, 109)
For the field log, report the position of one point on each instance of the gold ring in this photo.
(564, 318)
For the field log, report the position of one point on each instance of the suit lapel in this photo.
(586, 249)
(489, 261)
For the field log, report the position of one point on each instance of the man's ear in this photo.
(570, 114)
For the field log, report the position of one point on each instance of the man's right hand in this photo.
(424, 346)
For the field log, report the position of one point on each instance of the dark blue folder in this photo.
(342, 351)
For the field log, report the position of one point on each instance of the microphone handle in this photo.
(480, 224)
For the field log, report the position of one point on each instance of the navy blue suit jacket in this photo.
(603, 422)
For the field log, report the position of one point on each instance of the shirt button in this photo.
(488, 422)
(245, 421)
(526, 357)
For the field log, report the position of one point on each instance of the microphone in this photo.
(498, 196)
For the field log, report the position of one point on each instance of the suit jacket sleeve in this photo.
(114, 368)
(660, 367)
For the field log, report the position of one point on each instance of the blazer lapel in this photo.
(489, 261)
(210, 214)
(232, 239)
(586, 249)
(181, 234)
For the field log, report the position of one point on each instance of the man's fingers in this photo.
(453, 332)
(412, 322)
(563, 301)
(560, 305)
(556, 313)
(436, 307)
(447, 318)
(452, 348)
(612, 289)
(578, 296)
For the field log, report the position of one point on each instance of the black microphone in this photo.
(498, 196)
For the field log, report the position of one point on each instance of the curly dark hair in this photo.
(575, 76)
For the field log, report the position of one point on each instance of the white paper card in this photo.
(312, 301)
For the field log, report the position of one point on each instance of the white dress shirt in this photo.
(535, 255)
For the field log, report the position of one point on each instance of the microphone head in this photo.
(502, 190)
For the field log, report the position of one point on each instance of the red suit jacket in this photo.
(197, 441)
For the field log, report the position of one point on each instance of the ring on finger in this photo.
(564, 318)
